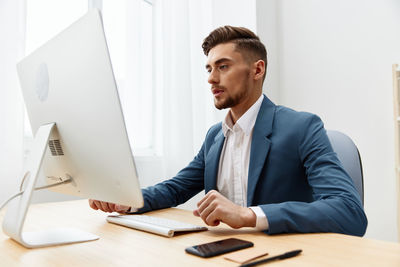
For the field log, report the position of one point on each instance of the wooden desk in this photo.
(120, 246)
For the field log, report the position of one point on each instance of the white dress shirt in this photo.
(234, 160)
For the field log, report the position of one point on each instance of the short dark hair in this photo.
(244, 39)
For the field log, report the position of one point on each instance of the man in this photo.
(264, 166)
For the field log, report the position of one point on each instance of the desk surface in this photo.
(120, 246)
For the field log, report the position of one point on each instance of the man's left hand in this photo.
(215, 208)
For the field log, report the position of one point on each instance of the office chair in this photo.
(348, 154)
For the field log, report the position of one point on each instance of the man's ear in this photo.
(259, 69)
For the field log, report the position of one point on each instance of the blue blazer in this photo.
(294, 176)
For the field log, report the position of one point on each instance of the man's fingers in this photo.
(212, 219)
(211, 215)
(214, 208)
(206, 197)
(207, 208)
(202, 200)
(92, 204)
(204, 209)
(98, 204)
(207, 200)
(105, 207)
(111, 206)
(121, 208)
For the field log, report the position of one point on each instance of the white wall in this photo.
(335, 60)
(269, 32)
(234, 13)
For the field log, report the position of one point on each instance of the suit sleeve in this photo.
(170, 193)
(336, 206)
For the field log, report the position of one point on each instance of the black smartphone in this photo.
(218, 247)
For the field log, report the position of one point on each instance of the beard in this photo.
(230, 100)
(226, 103)
(235, 99)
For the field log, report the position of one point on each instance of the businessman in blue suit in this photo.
(265, 166)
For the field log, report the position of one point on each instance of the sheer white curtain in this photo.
(186, 101)
(12, 16)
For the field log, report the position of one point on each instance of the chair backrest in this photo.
(348, 154)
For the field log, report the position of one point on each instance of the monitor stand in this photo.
(17, 209)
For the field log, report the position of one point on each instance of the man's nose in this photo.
(213, 77)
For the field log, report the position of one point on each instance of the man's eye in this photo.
(208, 70)
(222, 67)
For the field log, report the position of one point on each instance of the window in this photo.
(128, 26)
(46, 18)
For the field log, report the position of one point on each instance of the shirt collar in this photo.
(246, 121)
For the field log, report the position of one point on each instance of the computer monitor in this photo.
(76, 116)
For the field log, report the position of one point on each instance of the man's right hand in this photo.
(107, 207)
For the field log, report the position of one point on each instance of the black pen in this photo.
(279, 257)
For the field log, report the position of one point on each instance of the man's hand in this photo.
(215, 208)
(107, 207)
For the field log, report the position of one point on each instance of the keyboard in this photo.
(160, 226)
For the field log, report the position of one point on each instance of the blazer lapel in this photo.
(212, 162)
(260, 145)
